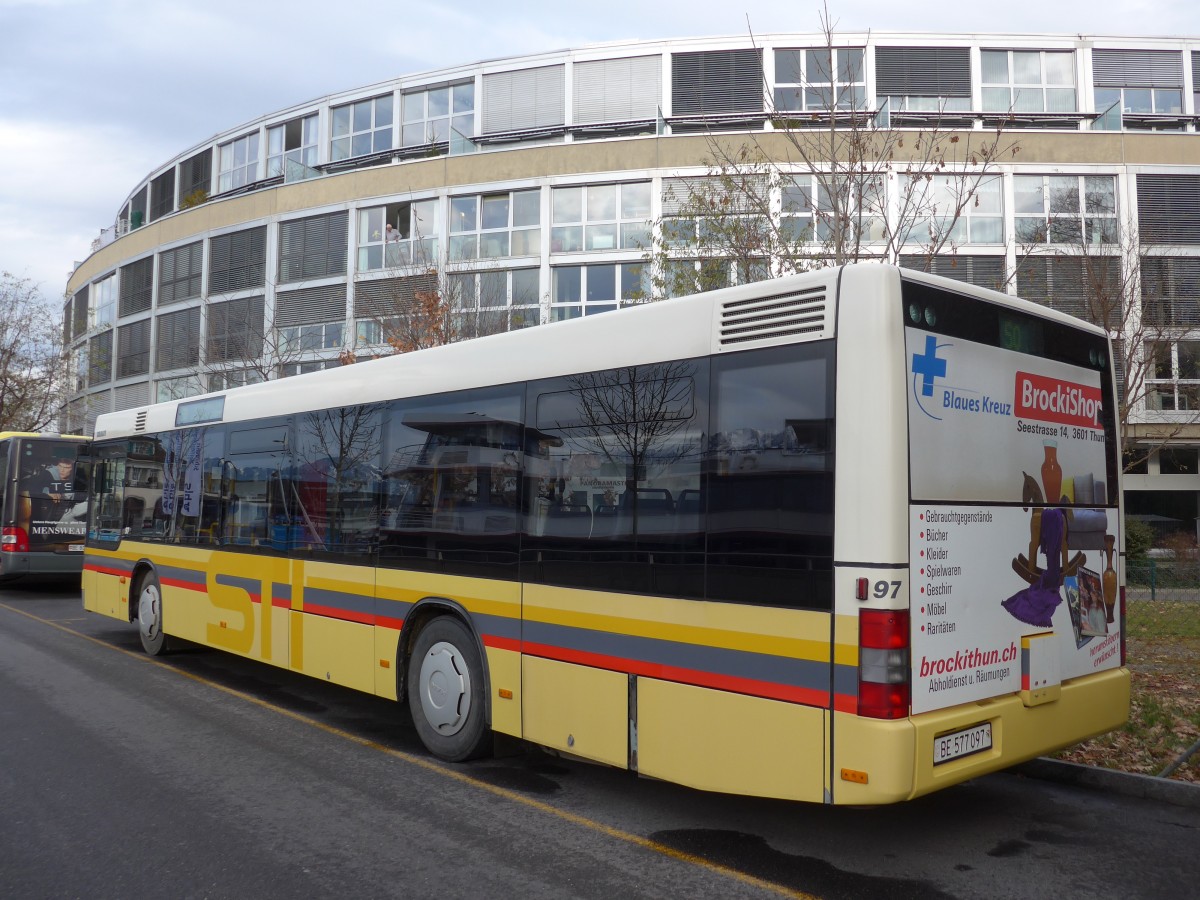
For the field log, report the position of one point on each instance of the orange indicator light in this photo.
(505, 694)
(854, 775)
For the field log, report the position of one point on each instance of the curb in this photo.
(1129, 784)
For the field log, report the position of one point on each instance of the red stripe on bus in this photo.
(502, 643)
(332, 612)
(389, 622)
(847, 703)
(733, 683)
(186, 585)
(101, 570)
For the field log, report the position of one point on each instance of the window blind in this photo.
(527, 98)
(178, 339)
(237, 261)
(1137, 68)
(717, 81)
(311, 306)
(179, 272)
(923, 71)
(314, 247)
(137, 287)
(1169, 209)
(133, 349)
(617, 90)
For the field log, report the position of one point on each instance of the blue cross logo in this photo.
(928, 366)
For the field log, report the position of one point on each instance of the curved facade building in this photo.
(526, 189)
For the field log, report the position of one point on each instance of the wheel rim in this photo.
(150, 612)
(445, 688)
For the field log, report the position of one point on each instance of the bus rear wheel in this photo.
(149, 615)
(445, 691)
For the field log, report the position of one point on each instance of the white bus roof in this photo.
(773, 312)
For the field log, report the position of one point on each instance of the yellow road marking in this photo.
(440, 769)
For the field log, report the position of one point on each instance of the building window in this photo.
(162, 194)
(314, 247)
(491, 302)
(362, 128)
(399, 234)
(812, 80)
(1065, 209)
(937, 218)
(195, 179)
(608, 91)
(292, 148)
(235, 330)
(1169, 209)
(177, 343)
(525, 99)
(807, 209)
(1028, 81)
(1142, 85)
(713, 82)
(981, 271)
(100, 359)
(177, 388)
(431, 115)
(287, 370)
(488, 226)
(1173, 376)
(81, 313)
(601, 217)
(104, 302)
(311, 338)
(924, 79)
(1084, 285)
(238, 163)
(222, 381)
(179, 272)
(1171, 291)
(137, 287)
(237, 261)
(133, 349)
(587, 290)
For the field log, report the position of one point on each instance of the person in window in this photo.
(52, 490)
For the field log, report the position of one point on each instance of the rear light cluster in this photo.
(14, 540)
(884, 673)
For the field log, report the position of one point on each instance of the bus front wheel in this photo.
(149, 615)
(445, 691)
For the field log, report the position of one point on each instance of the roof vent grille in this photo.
(139, 422)
(773, 317)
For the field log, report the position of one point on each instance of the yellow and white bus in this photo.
(43, 505)
(835, 537)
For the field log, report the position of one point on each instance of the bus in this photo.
(836, 537)
(43, 505)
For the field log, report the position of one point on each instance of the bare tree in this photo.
(825, 188)
(32, 362)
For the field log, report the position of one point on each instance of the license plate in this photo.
(75, 548)
(975, 739)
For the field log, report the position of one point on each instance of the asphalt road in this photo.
(204, 775)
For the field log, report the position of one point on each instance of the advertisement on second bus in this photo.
(1012, 534)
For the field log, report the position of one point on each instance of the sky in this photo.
(95, 95)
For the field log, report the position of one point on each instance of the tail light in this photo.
(14, 540)
(1121, 596)
(884, 673)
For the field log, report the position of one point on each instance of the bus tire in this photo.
(445, 691)
(149, 615)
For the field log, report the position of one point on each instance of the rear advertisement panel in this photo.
(1009, 532)
(51, 506)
